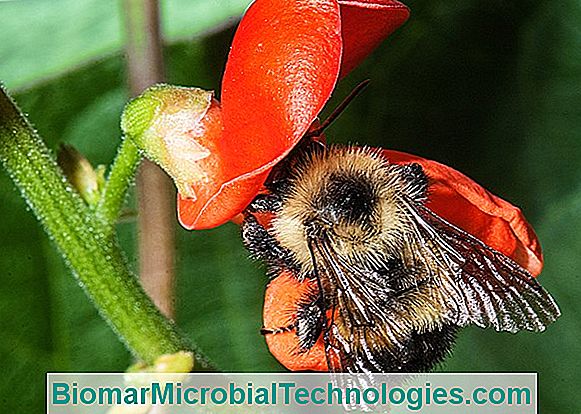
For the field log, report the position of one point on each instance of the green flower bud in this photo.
(81, 174)
(165, 122)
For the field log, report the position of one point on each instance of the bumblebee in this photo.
(392, 282)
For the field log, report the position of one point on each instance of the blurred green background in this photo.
(492, 88)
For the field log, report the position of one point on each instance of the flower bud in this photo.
(169, 124)
(81, 174)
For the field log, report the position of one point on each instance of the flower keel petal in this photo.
(466, 204)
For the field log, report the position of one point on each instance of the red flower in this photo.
(283, 65)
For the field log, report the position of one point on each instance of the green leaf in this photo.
(42, 39)
(221, 293)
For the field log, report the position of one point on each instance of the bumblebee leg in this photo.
(415, 178)
(267, 331)
(309, 323)
(263, 246)
(265, 203)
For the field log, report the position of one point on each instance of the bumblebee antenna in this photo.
(339, 109)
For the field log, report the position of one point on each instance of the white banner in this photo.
(482, 393)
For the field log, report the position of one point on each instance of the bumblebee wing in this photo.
(458, 281)
(360, 333)
(480, 285)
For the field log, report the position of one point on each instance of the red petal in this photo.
(280, 305)
(469, 206)
(365, 23)
(283, 66)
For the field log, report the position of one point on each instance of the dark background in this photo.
(492, 88)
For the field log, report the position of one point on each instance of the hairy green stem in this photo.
(94, 256)
(120, 177)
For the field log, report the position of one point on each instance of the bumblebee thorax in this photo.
(350, 195)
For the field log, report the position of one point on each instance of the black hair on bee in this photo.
(397, 280)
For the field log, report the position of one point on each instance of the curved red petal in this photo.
(283, 65)
(466, 204)
(280, 305)
(365, 23)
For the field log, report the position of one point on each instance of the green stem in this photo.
(120, 177)
(94, 257)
